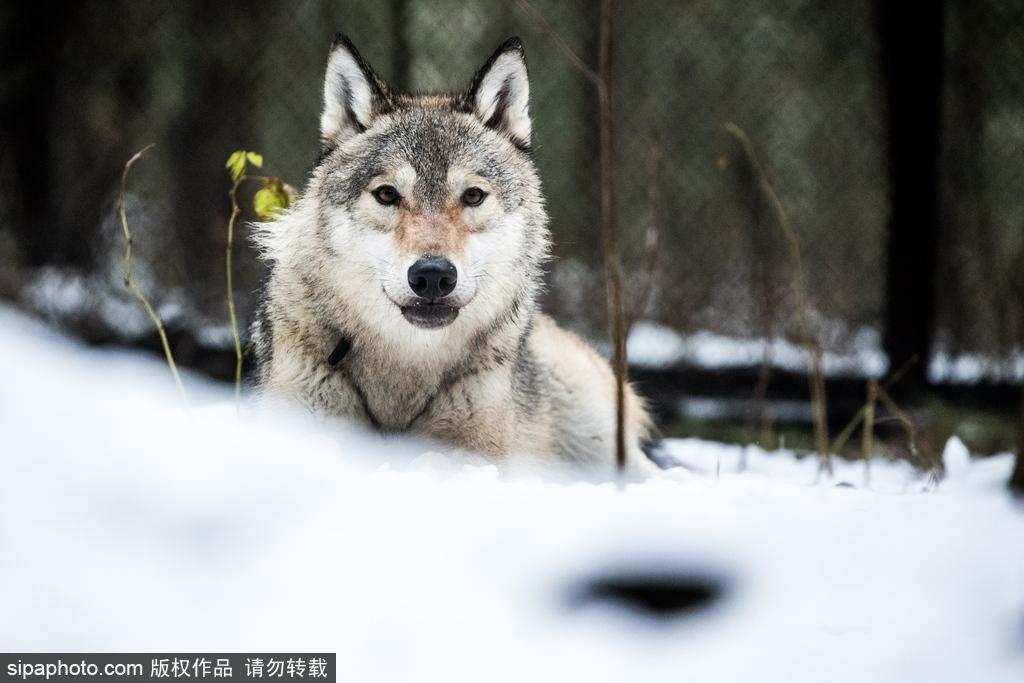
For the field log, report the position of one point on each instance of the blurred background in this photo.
(892, 143)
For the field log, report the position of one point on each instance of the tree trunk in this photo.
(912, 58)
(31, 30)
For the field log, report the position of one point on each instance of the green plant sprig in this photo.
(269, 200)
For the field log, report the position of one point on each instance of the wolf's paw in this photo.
(435, 461)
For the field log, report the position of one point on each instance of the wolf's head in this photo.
(423, 221)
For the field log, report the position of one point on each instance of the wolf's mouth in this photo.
(430, 316)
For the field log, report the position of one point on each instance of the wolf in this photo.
(403, 282)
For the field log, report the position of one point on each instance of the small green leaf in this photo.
(255, 158)
(236, 164)
(270, 200)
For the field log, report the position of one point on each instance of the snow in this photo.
(62, 296)
(216, 336)
(655, 346)
(971, 368)
(129, 522)
(67, 297)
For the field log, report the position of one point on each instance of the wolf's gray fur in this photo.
(342, 330)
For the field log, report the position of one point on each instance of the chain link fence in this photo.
(86, 87)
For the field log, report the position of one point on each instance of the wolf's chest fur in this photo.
(392, 396)
(398, 394)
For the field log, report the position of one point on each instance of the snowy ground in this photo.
(129, 523)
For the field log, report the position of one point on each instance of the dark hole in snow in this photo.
(662, 595)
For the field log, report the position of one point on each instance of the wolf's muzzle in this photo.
(433, 278)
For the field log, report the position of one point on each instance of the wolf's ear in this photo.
(353, 94)
(500, 92)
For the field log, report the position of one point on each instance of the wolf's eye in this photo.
(386, 195)
(473, 196)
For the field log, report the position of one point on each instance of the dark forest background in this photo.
(894, 143)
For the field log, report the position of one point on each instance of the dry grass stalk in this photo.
(867, 443)
(816, 379)
(129, 279)
(920, 448)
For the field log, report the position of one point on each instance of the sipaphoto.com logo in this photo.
(72, 669)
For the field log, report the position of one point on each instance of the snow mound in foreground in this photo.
(130, 524)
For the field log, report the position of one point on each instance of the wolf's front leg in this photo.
(322, 390)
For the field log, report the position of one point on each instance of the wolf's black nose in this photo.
(433, 277)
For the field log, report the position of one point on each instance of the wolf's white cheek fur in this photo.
(340, 230)
(491, 265)
(363, 259)
(390, 270)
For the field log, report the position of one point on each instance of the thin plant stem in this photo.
(129, 278)
(867, 441)
(235, 211)
(848, 430)
(920, 449)
(612, 259)
(851, 426)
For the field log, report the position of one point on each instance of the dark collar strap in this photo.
(340, 351)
